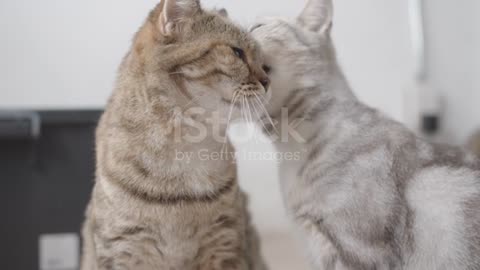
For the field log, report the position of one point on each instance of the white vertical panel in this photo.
(453, 35)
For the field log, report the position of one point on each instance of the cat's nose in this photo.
(265, 81)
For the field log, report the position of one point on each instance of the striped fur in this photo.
(367, 193)
(150, 210)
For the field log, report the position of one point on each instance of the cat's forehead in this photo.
(276, 30)
(281, 34)
(215, 26)
(278, 25)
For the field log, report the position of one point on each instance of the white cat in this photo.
(367, 193)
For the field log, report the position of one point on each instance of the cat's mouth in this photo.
(249, 106)
(240, 96)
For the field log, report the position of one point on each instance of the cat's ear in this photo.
(223, 12)
(174, 12)
(317, 16)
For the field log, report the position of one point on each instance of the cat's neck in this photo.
(337, 88)
(199, 134)
(174, 154)
(186, 134)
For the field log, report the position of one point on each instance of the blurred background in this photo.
(57, 66)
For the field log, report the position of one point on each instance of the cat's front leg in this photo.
(216, 262)
(224, 248)
(122, 259)
(323, 254)
(130, 247)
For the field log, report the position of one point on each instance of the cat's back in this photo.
(440, 186)
(444, 199)
(437, 188)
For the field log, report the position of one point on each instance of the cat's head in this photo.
(299, 52)
(208, 57)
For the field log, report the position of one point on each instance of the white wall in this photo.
(373, 44)
(453, 43)
(64, 53)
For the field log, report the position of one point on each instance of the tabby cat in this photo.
(366, 193)
(151, 208)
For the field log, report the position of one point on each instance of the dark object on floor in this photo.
(46, 173)
(430, 124)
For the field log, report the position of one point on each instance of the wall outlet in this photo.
(59, 251)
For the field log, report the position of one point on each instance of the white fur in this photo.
(437, 196)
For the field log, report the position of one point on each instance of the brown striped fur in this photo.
(150, 210)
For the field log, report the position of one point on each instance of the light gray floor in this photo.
(282, 252)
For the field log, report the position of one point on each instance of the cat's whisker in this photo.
(264, 99)
(249, 110)
(264, 125)
(247, 114)
(250, 121)
(267, 115)
(259, 117)
(251, 117)
(232, 106)
(257, 112)
(244, 114)
(190, 102)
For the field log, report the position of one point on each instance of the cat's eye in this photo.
(267, 69)
(239, 52)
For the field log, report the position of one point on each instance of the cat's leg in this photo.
(125, 256)
(225, 246)
(349, 246)
(223, 260)
(126, 246)
(323, 254)
(88, 261)
(88, 249)
(229, 252)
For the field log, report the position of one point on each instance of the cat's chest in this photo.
(292, 160)
(172, 241)
(299, 192)
(161, 250)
